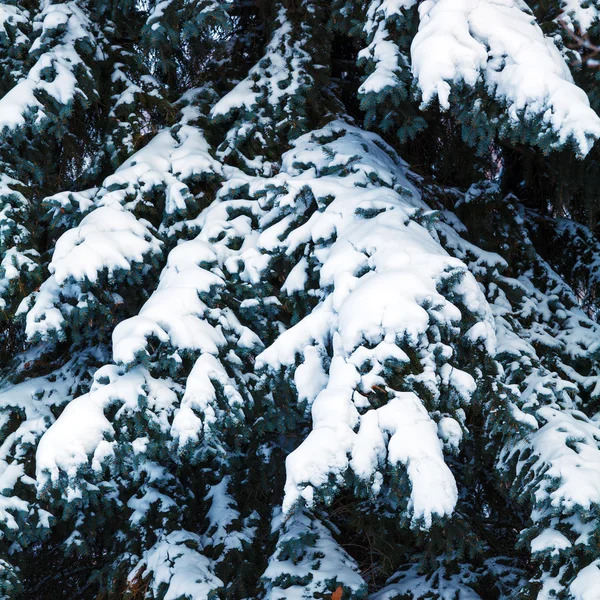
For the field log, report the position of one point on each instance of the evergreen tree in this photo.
(249, 352)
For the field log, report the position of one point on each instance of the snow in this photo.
(415, 585)
(310, 378)
(176, 564)
(281, 78)
(498, 43)
(19, 258)
(28, 409)
(140, 506)
(550, 539)
(379, 354)
(11, 17)
(182, 154)
(320, 575)
(580, 15)
(241, 96)
(566, 450)
(107, 238)
(221, 518)
(586, 586)
(200, 396)
(415, 445)
(269, 94)
(78, 437)
(381, 49)
(174, 313)
(395, 301)
(450, 432)
(370, 252)
(551, 457)
(67, 443)
(62, 59)
(296, 280)
(177, 312)
(325, 281)
(111, 240)
(392, 265)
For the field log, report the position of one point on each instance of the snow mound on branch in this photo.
(111, 239)
(176, 312)
(62, 60)
(382, 50)
(498, 44)
(68, 442)
(414, 586)
(167, 161)
(108, 240)
(178, 568)
(200, 397)
(286, 567)
(81, 435)
(566, 450)
(281, 79)
(413, 443)
(379, 275)
(580, 15)
(587, 583)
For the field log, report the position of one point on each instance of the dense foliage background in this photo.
(299, 299)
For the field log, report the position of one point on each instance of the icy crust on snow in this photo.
(496, 43)
(294, 574)
(61, 58)
(372, 254)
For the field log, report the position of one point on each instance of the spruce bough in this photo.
(299, 300)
